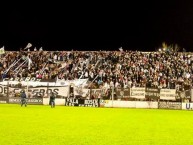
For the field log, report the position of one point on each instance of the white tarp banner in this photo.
(168, 94)
(187, 106)
(35, 91)
(138, 93)
(34, 82)
(86, 92)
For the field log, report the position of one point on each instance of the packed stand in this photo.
(103, 68)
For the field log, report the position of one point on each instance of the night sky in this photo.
(134, 25)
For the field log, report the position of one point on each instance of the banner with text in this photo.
(170, 105)
(35, 91)
(138, 93)
(187, 106)
(152, 93)
(82, 102)
(168, 94)
(34, 101)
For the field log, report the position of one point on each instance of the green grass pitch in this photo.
(43, 125)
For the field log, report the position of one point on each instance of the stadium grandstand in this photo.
(103, 69)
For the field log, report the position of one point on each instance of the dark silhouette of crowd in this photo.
(102, 68)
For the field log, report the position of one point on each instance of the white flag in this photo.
(41, 49)
(28, 46)
(2, 50)
(29, 63)
(121, 49)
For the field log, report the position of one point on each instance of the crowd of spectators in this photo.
(102, 68)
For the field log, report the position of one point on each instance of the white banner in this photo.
(45, 91)
(168, 94)
(79, 91)
(187, 106)
(86, 92)
(35, 91)
(34, 82)
(138, 93)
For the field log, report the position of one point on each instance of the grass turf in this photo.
(43, 125)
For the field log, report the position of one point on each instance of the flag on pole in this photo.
(28, 46)
(29, 63)
(2, 50)
(41, 49)
(121, 49)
